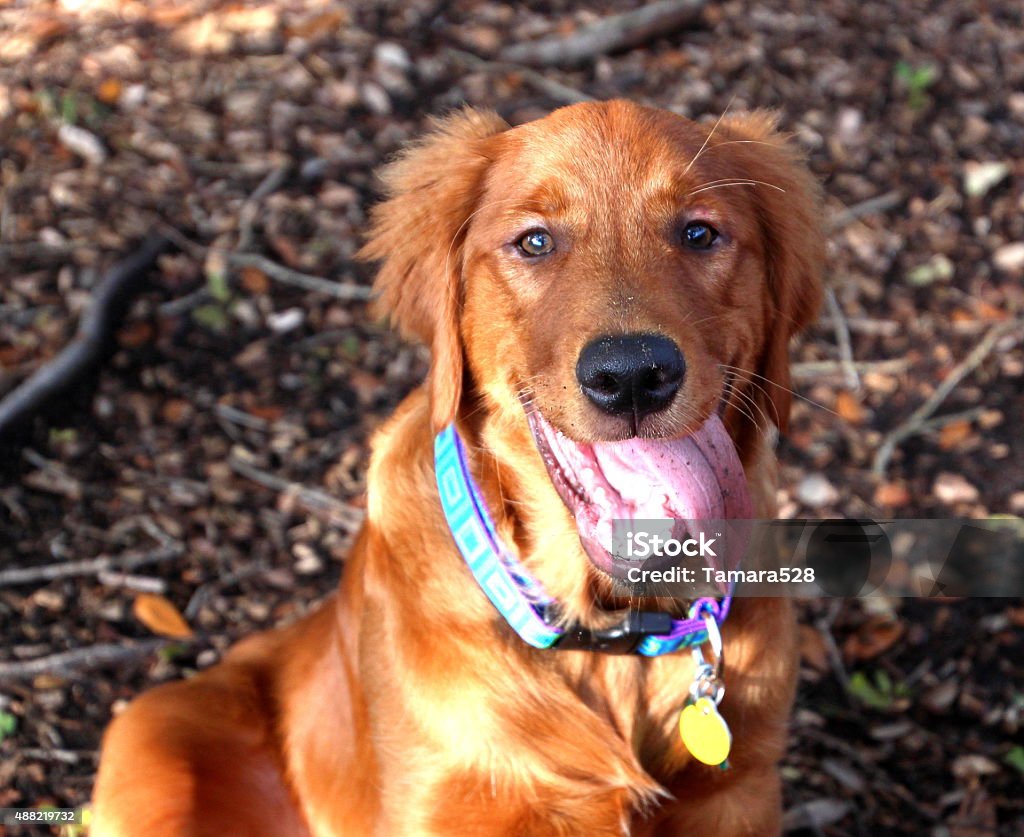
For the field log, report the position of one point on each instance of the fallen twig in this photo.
(871, 206)
(842, 331)
(274, 180)
(287, 276)
(107, 308)
(36, 250)
(347, 515)
(550, 87)
(92, 656)
(618, 32)
(813, 369)
(61, 755)
(90, 566)
(917, 420)
(200, 596)
(866, 325)
(279, 273)
(136, 583)
(939, 422)
(55, 479)
(824, 626)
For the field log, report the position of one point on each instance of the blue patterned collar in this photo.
(520, 598)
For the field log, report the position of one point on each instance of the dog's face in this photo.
(609, 270)
(612, 271)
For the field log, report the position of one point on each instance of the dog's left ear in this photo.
(790, 216)
(417, 234)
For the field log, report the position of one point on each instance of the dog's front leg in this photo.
(747, 803)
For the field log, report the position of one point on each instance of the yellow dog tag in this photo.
(705, 732)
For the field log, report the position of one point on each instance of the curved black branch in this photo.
(93, 340)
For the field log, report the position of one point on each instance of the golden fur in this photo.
(405, 706)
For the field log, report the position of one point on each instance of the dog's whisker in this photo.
(745, 398)
(739, 371)
(711, 133)
(736, 183)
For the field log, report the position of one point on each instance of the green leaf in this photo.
(1015, 758)
(217, 285)
(63, 435)
(879, 692)
(69, 108)
(351, 346)
(8, 725)
(864, 690)
(212, 317)
(170, 652)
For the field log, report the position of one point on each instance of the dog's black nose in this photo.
(631, 374)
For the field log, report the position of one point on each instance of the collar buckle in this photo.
(622, 638)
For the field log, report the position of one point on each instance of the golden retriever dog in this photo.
(604, 291)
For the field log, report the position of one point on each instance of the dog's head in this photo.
(613, 272)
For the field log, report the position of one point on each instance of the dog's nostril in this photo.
(654, 378)
(633, 374)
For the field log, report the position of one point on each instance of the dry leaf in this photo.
(177, 411)
(323, 24)
(136, 333)
(872, 638)
(977, 815)
(254, 280)
(267, 413)
(892, 495)
(849, 408)
(953, 434)
(109, 91)
(160, 616)
(987, 311)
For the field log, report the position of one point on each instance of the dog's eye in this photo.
(536, 243)
(698, 235)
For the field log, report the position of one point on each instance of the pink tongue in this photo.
(698, 477)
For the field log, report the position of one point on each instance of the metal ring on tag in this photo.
(714, 636)
(706, 684)
(715, 641)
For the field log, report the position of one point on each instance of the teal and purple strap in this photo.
(520, 598)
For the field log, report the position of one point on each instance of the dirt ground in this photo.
(211, 475)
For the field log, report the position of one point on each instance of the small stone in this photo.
(133, 96)
(981, 178)
(83, 143)
(849, 125)
(392, 55)
(307, 561)
(206, 658)
(1017, 502)
(972, 765)
(338, 196)
(287, 320)
(816, 491)
(953, 488)
(941, 697)
(1010, 257)
(375, 98)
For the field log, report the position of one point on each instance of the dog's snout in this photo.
(631, 374)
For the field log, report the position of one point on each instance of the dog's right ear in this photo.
(417, 234)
